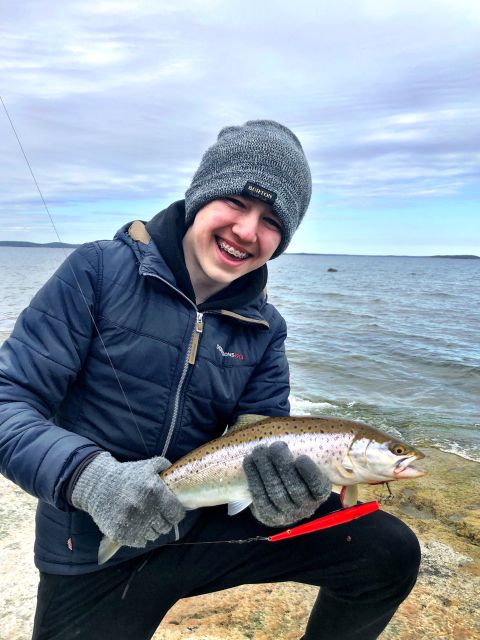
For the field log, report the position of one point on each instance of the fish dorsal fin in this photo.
(246, 420)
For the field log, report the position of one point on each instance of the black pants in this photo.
(364, 568)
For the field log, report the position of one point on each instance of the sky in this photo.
(116, 101)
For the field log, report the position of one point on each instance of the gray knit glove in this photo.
(284, 489)
(128, 501)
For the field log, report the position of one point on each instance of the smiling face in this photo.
(229, 238)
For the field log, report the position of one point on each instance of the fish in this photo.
(347, 451)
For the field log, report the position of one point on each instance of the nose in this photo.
(246, 226)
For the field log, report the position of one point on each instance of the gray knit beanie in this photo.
(261, 159)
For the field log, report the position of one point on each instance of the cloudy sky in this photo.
(115, 102)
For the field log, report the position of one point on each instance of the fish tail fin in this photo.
(107, 549)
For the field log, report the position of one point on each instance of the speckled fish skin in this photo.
(349, 452)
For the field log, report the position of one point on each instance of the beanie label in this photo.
(256, 191)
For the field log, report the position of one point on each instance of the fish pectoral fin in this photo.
(238, 505)
(349, 495)
(246, 420)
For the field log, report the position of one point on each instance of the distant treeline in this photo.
(459, 257)
(65, 245)
(358, 255)
(48, 245)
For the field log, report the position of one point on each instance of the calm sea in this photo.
(391, 341)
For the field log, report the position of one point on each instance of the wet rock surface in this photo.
(443, 509)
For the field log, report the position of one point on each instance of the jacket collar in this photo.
(163, 258)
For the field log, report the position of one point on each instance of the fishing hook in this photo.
(390, 496)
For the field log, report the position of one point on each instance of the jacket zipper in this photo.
(189, 360)
(196, 338)
(192, 353)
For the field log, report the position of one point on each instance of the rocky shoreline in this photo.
(443, 509)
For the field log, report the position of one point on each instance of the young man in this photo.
(139, 350)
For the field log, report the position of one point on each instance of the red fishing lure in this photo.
(325, 522)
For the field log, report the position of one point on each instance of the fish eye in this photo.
(398, 449)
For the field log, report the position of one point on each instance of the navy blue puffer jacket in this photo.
(60, 400)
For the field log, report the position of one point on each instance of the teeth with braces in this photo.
(237, 254)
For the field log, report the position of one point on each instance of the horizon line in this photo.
(68, 245)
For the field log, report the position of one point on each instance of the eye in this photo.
(398, 449)
(273, 222)
(235, 202)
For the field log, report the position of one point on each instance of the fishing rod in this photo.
(79, 287)
(335, 518)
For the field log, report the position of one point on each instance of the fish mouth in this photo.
(404, 468)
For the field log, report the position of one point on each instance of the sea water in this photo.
(389, 340)
(392, 341)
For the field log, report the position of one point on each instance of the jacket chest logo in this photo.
(230, 354)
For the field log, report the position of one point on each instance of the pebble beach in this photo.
(443, 508)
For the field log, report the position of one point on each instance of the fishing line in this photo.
(341, 516)
(242, 541)
(79, 287)
(330, 520)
